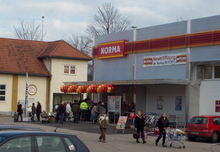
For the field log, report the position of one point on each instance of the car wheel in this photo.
(214, 137)
(191, 138)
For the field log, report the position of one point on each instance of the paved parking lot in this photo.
(89, 134)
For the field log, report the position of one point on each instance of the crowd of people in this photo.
(85, 110)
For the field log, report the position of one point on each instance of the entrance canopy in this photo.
(132, 82)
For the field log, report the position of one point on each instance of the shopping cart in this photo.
(175, 136)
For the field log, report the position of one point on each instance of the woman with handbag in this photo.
(139, 126)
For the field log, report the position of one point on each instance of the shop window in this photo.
(2, 92)
(69, 69)
(207, 72)
(217, 71)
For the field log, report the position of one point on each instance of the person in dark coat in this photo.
(20, 111)
(139, 125)
(38, 110)
(75, 110)
(162, 124)
(61, 112)
(33, 111)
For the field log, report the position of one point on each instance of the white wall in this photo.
(7, 80)
(169, 93)
(58, 76)
(209, 92)
(39, 82)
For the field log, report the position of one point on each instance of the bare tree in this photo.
(83, 43)
(28, 31)
(107, 20)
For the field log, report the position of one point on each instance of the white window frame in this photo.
(5, 93)
(69, 73)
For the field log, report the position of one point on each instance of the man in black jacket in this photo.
(162, 124)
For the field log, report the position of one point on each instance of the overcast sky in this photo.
(66, 17)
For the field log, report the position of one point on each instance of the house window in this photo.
(69, 69)
(217, 71)
(2, 93)
(208, 72)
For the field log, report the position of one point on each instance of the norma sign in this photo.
(217, 105)
(111, 49)
(165, 60)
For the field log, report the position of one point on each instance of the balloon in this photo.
(131, 116)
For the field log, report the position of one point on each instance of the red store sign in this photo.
(111, 49)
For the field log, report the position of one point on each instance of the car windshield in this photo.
(199, 120)
(2, 138)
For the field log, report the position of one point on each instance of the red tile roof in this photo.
(21, 56)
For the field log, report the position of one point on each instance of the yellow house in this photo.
(48, 64)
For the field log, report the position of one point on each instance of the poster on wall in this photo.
(114, 103)
(217, 105)
(162, 60)
(159, 102)
(178, 103)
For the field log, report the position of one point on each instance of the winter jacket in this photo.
(61, 109)
(161, 123)
(84, 106)
(139, 122)
(103, 121)
(94, 111)
(38, 110)
(75, 108)
(33, 110)
(19, 109)
(68, 108)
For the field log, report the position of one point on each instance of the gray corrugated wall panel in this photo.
(205, 24)
(165, 30)
(205, 53)
(160, 72)
(114, 69)
(125, 35)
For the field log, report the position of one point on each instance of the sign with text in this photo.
(217, 105)
(114, 104)
(111, 49)
(164, 60)
(122, 122)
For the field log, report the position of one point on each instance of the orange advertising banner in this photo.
(111, 49)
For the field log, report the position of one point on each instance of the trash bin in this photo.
(15, 117)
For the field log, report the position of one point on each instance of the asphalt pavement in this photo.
(116, 142)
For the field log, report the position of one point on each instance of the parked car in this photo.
(39, 141)
(204, 127)
(10, 127)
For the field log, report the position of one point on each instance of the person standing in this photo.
(139, 126)
(94, 113)
(162, 124)
(61, 112)
(68, 111)
(103, 122)
(38, 110)
(20, 111)
(33, 111)
(75, 110)
(83, 108)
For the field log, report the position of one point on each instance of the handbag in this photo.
(136, 136)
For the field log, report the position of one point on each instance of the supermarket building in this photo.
(173, 68)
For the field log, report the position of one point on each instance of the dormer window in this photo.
(69, 69)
